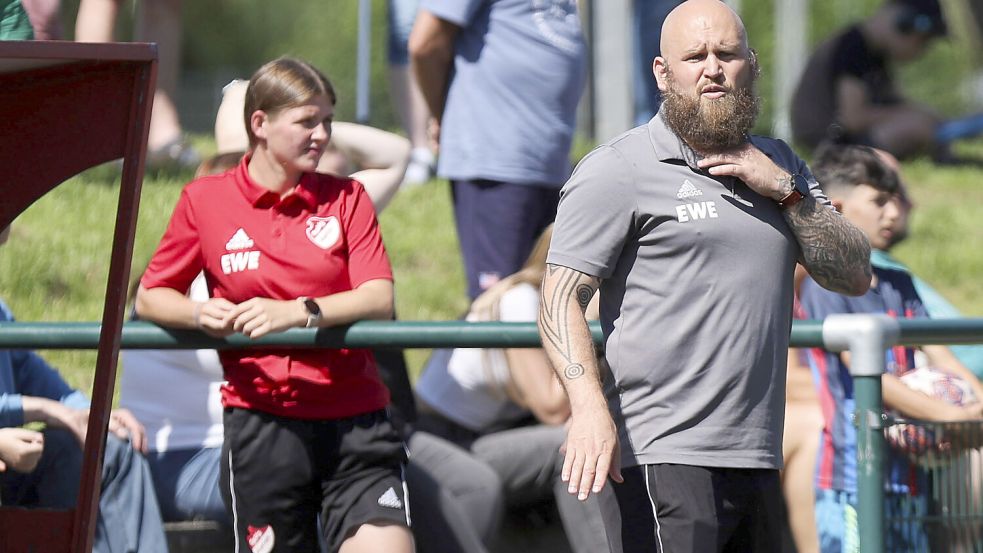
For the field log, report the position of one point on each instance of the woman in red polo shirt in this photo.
(306, 431)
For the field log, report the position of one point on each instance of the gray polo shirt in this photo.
(696, 297)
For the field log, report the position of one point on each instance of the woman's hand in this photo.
(211, 317)
(261, 316)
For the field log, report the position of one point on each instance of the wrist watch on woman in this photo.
(313, 311)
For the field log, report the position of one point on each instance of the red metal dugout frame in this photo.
(66, 107)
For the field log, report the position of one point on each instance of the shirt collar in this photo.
(667, 144)
(262, 197)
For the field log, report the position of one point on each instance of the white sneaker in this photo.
(421, 167)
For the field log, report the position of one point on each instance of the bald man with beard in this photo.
(691, 227)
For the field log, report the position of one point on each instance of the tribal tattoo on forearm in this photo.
(555, 298)
(835, 252)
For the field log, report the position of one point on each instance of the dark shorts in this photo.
(688, 509)
(497, 225)
(280, 476)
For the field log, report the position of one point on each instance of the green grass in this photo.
(54, 268)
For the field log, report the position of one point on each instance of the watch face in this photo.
(312, 307)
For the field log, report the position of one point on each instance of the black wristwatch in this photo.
(313, 311)
(794, 196)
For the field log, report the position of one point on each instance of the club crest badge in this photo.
(261, 539)
(323, 231)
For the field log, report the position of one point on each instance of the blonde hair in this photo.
(486, 305)
(282, 84)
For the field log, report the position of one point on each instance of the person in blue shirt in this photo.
(31, 391)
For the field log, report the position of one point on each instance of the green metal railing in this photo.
(402, 334)
(865, 336)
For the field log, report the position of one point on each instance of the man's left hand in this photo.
(753, 167)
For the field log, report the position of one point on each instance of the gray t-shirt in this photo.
(519, 71)
(696, 297)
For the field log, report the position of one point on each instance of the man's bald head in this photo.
(706, 74)
(693, 18)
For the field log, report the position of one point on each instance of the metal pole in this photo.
(363, 71)
(867, 337)
(612, 80)
(791, 17)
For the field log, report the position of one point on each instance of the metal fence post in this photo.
(867, 337)
(363, 72)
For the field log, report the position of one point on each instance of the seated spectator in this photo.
(847, 92)
(507, 407)
(935, 303)
(33, 391)
(456, 509)
(862, 188)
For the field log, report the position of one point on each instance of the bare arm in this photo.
(431, 48)
(170, 308)
(917, 405)
(381, 157)
(592, 440)
(536, 386)
(836, 253)
(943, 358)
(372, 300)
(260, 316)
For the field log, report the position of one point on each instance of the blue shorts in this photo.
(402, 14)
(838, 527)
(498, 224)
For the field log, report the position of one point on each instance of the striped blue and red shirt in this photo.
(894, 294)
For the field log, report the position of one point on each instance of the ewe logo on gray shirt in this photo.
(693, 211)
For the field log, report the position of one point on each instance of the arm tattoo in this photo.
(553, 311)
(584, 294)
(836, 253)
(575, 370)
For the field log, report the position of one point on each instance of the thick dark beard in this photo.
(710, 126)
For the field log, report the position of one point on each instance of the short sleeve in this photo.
(818, 302)
(458, 12)
(367, 259)
(596, 215)
(177, 260)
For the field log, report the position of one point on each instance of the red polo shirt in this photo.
(320, 240)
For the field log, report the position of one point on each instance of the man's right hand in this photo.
(591, 452)
(20, 449)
